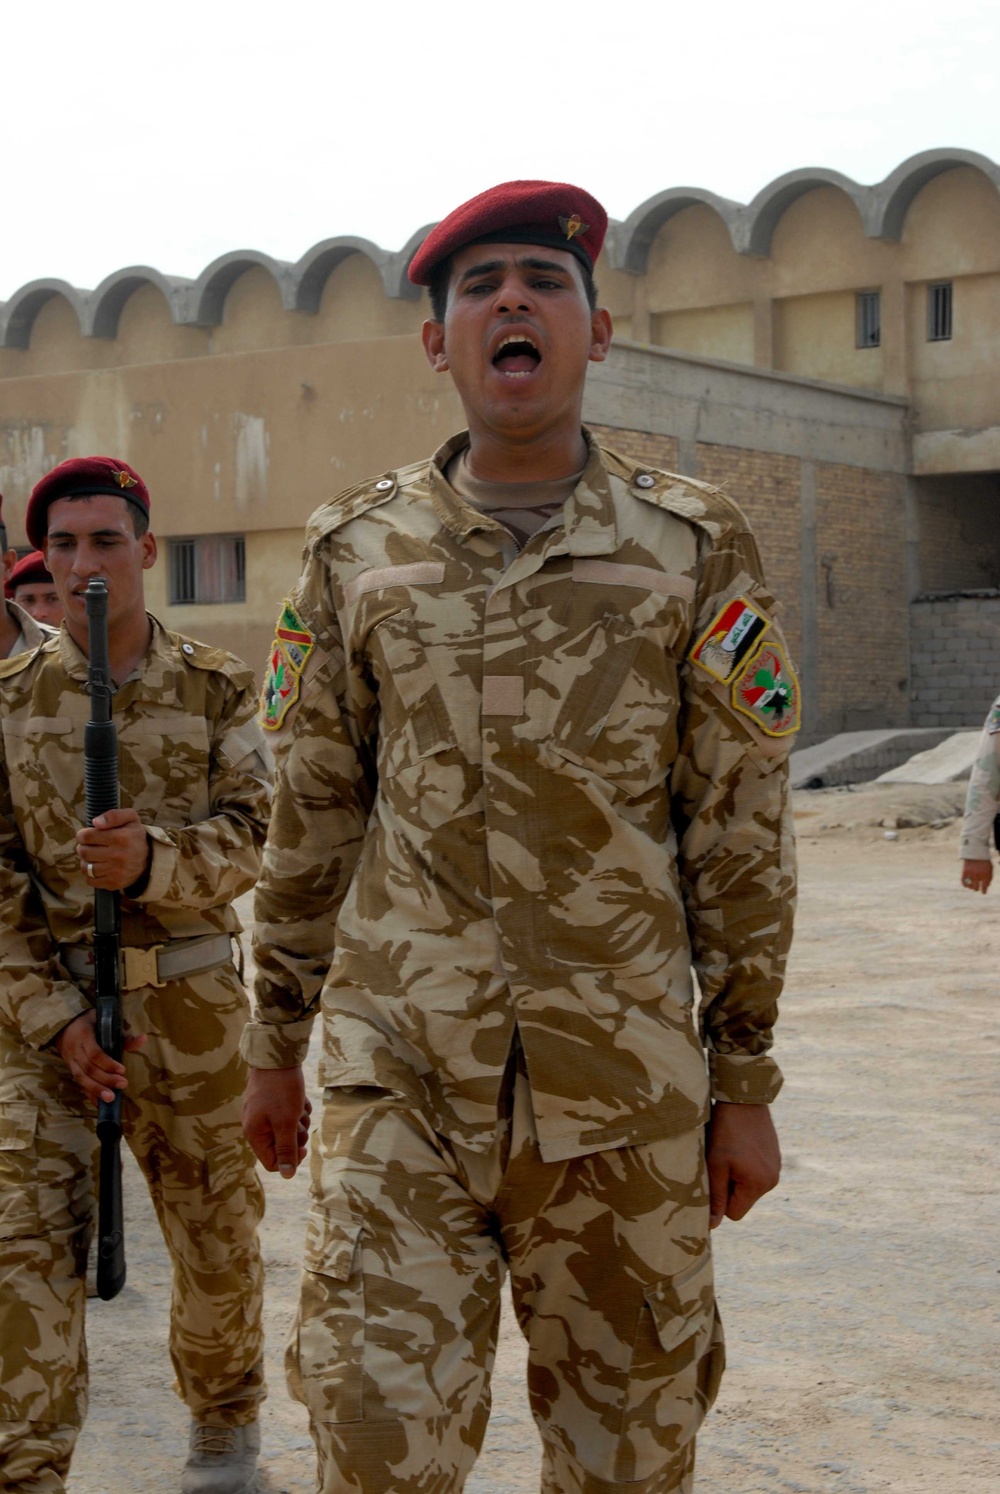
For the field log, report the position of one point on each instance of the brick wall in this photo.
(955, 659)
(641, 447)
(767, 487)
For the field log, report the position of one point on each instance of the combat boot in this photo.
(222, 1460)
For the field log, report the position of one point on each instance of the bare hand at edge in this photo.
(977, 875)
(744, 1159)
(276, 1118)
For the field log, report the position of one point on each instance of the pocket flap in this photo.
(331, 1244)
(17, 1125)
(683, 1305)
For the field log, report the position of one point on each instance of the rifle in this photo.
(100, 777)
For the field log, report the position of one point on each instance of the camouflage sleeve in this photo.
(37, 996)
(733, 816)
(209, 863)
(324, 792)
(982, 801)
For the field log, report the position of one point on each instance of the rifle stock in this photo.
(100, 775)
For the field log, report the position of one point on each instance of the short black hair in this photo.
(441, 279)
(140, 519)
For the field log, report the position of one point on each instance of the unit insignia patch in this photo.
(729, 639)
(767, 691)
(293, 643)
(993, 723)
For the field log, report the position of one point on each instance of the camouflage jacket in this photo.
(192, 761)
(530, 788)
(982, 800)
(31, 634)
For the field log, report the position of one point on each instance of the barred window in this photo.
(939, 311)
(868, 327)
(207, 568)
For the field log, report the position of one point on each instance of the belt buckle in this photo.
(141, 967)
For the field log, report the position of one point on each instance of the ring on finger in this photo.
(90, 870)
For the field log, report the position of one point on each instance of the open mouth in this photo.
(517, 356)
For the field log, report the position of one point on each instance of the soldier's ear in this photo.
(432, 337)
(149, 551)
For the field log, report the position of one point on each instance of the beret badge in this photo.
(573, 225)
(124, 479)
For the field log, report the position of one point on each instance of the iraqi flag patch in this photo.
(767, 691)
(729, 639)
(293, 643)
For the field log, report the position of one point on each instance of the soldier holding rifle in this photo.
(194, 790)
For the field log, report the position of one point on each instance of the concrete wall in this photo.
(955, 649)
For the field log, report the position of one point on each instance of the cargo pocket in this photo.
(18, 1181)
(688, 1350)
(325, 1358)
(212, 1205)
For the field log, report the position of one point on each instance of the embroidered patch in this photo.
(768, 692)
(293, 643)
(728, 640)
(993, 720)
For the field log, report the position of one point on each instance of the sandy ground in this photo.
(860, 1298)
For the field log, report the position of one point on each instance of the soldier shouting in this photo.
(195, 793)
(532, 709)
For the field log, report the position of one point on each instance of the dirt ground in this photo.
(860, 1297)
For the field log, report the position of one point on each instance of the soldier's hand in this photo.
(977, 875)
(114, 851)
(276, 1118)
(97, 1075)
(744, 1159)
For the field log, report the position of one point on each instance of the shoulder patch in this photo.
(767, 691)
(292, 645)
(729, 638)
(993, 720)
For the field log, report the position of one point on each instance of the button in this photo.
(383, 485)
(187, 648)
(644, 480)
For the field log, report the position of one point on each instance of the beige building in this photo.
(828, 352)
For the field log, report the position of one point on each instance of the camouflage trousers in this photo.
(181, 1115)
(408, 1242)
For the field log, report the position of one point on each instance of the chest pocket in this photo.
(414, 722)
(163, 768)
(45, 771)
(619, 716)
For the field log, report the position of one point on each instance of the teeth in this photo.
(518, 337)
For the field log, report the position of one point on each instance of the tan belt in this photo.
(157, 963)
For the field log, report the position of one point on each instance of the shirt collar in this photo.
(588, 517)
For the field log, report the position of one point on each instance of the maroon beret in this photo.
(29, 568)
(550, 213)
(83, 477)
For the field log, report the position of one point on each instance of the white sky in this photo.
(167, 134)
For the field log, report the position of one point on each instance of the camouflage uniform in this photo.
(31, 633)
(519, 795)
(982, 801)
(194, 765)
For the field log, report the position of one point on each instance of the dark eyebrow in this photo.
(489, 266)
(93, 534)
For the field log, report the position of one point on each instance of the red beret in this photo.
(80, 477)
(550, 213)
(29, 568)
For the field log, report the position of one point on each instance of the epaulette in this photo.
(14, 665)
(371, 493)
(687, 497)
(214, 660)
